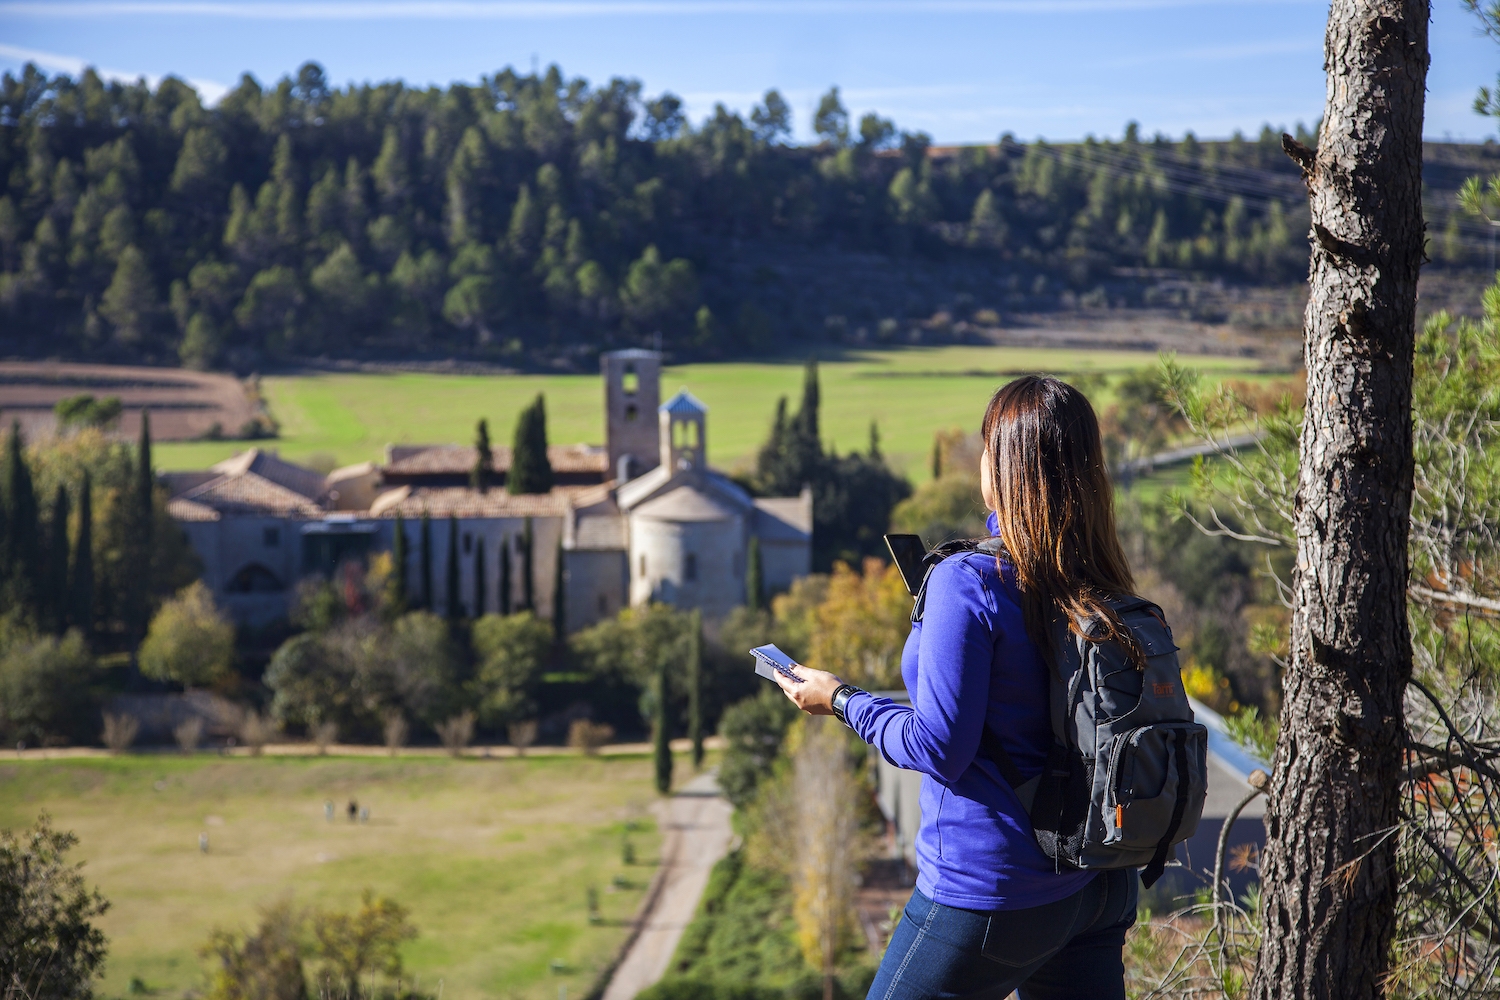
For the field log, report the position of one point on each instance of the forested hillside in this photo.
(536, 217)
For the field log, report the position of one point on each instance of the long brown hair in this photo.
(1056, 508)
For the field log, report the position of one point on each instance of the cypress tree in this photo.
(695, 686)
(143, 521)
(455, 606)
(484, 459)
(81, 610)
(480, 597)
(755, 577)
(6, 542)
(504, 555)
(806, 443)
(426, 566)
(528, 577)
(559, 610)
(55, 571)
(661, 735)
(937, 457)
(807, 416)
(400, 558)
(145, 482)
(23, 557)
(530, 469)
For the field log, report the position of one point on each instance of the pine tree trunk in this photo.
(1328, 870)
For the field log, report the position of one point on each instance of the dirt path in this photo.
(697, 836)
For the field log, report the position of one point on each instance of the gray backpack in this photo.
(1127, 774)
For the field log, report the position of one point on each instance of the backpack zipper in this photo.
(1115, 753)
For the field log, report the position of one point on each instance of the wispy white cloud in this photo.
(209, 90)
(1220, 53)
(351, 10)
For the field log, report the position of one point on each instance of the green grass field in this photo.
(910, 392)
(492, 857)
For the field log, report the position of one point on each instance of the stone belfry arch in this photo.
(683, 432)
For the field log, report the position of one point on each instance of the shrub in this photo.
(310, 685)
(120, 731)
(269, 963)
(266, 963)
(423, 662)
(47, 691)
(48, 947)
(188, 641)
(395, 730)
(513, 650)
(324, 734)
(188, 734)
(589, 736)
(256, 731)
(753, 731)
(522, 735)
(457, 732)
(355, 945)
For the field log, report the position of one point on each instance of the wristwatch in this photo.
(841, 698)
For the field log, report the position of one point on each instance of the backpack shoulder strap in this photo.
(941, 552)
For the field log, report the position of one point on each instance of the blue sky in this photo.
(962, 70)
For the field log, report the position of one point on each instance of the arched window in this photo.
(255, 579)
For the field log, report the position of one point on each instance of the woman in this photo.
(991, 913)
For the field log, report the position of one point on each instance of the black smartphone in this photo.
(908, 551)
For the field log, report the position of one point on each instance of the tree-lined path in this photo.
(697, 835)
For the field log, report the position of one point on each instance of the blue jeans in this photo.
(1070, 948)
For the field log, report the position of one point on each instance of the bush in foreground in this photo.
(48, 947)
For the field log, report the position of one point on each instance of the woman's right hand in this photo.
(815, 694)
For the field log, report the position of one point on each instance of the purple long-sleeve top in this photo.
(967, 662)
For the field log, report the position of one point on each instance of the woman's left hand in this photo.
(815, 694)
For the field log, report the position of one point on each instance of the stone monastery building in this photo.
(641, 519)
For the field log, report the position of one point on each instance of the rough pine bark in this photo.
(1328, 870)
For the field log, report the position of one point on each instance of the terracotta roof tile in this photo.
(249, 493)
(187, 510)
(283, 473)
(461, 501)
(458, 459)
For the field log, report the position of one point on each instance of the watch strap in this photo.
(841, 696)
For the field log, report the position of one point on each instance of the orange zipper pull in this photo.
(1119, 816)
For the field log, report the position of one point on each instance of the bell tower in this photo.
(632, 390)
(683, 422)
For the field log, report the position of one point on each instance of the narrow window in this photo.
(271, 537)
(630, 413)
(643, 566)
(603, 605)
(468, 543)
(631, 382)
(690, 567)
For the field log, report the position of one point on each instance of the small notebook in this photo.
(769, 661)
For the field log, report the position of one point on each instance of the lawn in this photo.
(493, 858)
(910, 392)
